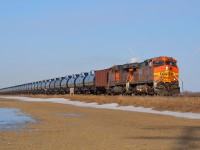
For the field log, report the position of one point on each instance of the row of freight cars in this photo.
(84, 83)
(159, 75)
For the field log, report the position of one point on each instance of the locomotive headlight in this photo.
(166, 67)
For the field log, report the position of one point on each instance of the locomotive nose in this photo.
(167, 74)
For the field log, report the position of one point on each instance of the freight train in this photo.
(155, 76)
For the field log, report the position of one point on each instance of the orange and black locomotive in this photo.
(159, 75)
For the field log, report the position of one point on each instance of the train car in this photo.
(52, 86)
(29, 88)
(101, 81)
(119, 77)
(57, 89)
(71, 83)
(64, 84)
(157, 76)
(142, 82)
(89, 83)
(43, 87)
(166, 75)
(47, 85)
(39, 87)
(79, 83)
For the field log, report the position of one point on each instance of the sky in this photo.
(43, 39)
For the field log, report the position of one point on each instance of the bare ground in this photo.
(98, 129)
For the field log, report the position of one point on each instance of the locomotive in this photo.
(155, 76)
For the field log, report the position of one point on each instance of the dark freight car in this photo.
(101, 80)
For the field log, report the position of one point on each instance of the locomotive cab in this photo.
(166, 75)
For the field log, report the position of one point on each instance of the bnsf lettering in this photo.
(166, 73)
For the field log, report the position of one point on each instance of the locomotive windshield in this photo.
(171, 63)
(157, 63)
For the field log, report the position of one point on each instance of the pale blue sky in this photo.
(42, 39)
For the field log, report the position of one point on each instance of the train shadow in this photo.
(188, 139)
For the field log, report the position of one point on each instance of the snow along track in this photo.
(113, 106)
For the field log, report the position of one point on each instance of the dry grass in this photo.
(191, 94)
(182, 104)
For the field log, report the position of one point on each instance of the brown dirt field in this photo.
(98, 129)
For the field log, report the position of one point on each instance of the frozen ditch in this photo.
(11, 118)
(113, 106)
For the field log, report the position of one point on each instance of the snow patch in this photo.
(113, 106)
